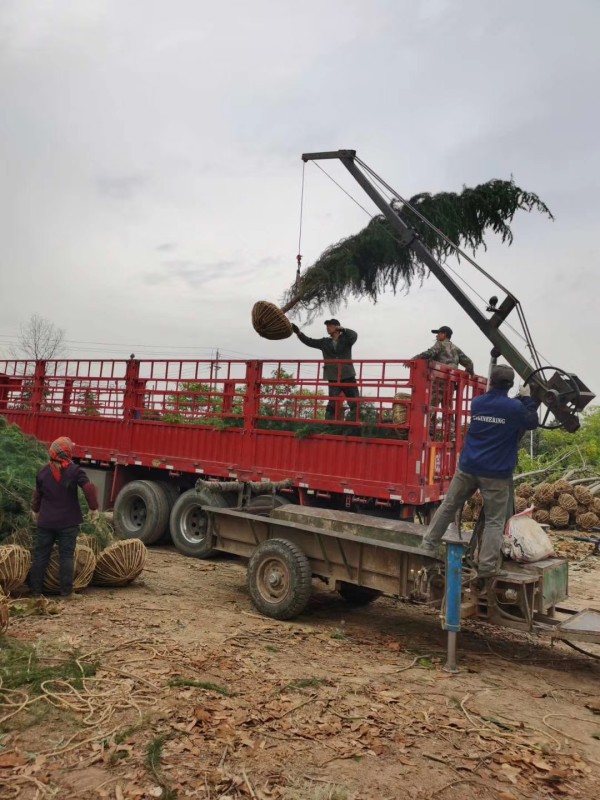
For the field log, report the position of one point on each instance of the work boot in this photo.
(480, 584)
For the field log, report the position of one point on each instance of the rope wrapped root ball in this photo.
(524, 490)
(583, 495)
(542, 516)
(4, 612)
(270, 321)
(558, 517)
(521, 504)
(15, 563)
(84, 563)
(587, 521)
(121, 563)
(595, 505)
(544, 495)
(562, 486)
(568, 502)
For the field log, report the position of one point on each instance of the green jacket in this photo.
(334, 351)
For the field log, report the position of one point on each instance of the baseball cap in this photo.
(332, 322)
(444, 329)
(502, 373)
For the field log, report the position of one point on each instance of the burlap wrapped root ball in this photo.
(568, 502)
(562, 486)
(587, 521)
(121, 563)
(84, 563)
(269, 321)
(4, 612)
(595, 505)
(524, 490)
(542, 516)
(544, 495)
(15, 563)
(583, 495)
(559, 517)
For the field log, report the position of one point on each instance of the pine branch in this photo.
(371, 261)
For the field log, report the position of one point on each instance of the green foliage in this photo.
(21, 666)
(21, 457)
(202, 404)
(575, 450)
(209, 687)
(373, 260)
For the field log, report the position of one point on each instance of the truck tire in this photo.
(279, 579)
(171, 491)
(189, 523)
(141, 512)
(263, 504)
(358, 595)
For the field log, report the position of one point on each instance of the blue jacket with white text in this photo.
(492, 441)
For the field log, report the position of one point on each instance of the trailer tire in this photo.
(189, 523)
(141, 512)
(279, 579)
(358, 595)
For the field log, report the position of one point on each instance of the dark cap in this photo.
(502, 373)
(444, 329)
(332, 322)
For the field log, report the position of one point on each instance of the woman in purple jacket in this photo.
(58, 513)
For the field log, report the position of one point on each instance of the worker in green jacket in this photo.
(337, 346)
(445, 351)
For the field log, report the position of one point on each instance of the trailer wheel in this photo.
(141, 512)
(189, 522)
(358, 595)
(279, 579)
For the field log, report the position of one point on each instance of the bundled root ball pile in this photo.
(84, 563)
(120, 563)
(15, 562)
(560, 504)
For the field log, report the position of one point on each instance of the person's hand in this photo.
(34, 516)
(93, 515)
(524, 391)
(295, 328)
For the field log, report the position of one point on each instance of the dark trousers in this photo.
(351, 390)
(66, 539)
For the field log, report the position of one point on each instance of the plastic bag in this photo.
(525, 540)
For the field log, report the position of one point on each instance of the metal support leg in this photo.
(451, 621)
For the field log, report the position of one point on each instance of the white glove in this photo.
(524, 391)
(93, 515)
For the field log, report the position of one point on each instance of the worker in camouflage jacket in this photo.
(446, 352)
(336, 346)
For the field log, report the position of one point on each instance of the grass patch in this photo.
(330, 792)
(337, 633)
(209, 687)
(128, 732)
(153, 763)
(20, 666)
(271, 649)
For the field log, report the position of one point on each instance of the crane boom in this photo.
(564, 394)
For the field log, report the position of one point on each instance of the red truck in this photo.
(148, 430)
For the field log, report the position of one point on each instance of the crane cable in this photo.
(528, 338)
(524, 338)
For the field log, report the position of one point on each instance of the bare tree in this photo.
(40, 340)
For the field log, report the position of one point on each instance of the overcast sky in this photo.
(151, 163)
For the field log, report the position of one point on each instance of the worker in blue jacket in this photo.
(487, 462)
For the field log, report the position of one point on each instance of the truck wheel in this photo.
(171, 491)
(279, 579)
(263, 504)
(189, 523)
(358, 595)
(141, 512)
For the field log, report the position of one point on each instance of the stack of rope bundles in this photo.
(583, 495)
(543, 496)
(84, 563)
(269, 321)
(120, 563)
(4, 612)
(521, 504)
(542, 516)
(558, 517)
(562, 486)
(587, 521)
(15, 563)
(525, 490)
(568, 502)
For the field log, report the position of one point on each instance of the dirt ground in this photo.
(196, 695)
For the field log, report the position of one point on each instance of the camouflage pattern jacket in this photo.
(447, 352)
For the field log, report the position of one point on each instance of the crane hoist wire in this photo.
(392, 194)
